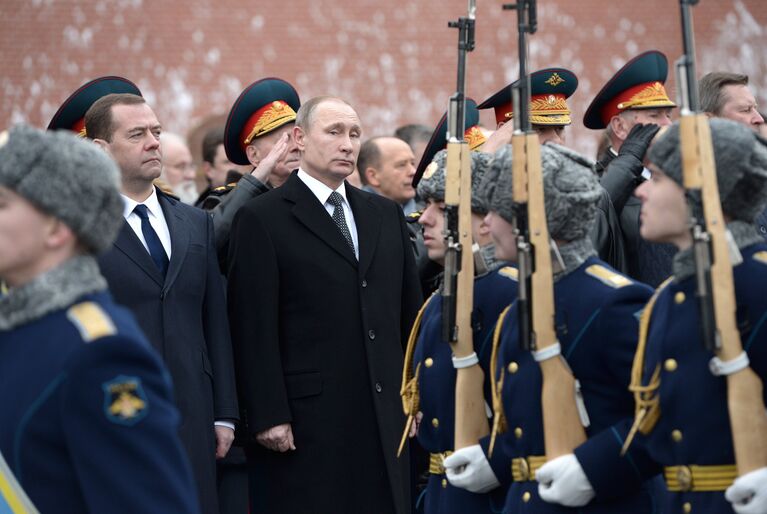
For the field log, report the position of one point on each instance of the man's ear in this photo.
(299, 137)
(619, 127)
(254, 156)
(103, 144)
(371, 177)
(206, 167)
(59, 234)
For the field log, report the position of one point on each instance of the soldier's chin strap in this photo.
(720, 368)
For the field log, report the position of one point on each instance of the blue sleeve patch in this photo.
(125, 402)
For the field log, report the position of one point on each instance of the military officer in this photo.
(632, 105)
(685, 400)
(429, 372)
(595, 309)
(89, 423)
(549, 116)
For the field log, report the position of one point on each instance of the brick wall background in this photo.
(394, 60)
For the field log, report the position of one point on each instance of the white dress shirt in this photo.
(322, 192)
(156, 219)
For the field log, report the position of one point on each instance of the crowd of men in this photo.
(274, 343)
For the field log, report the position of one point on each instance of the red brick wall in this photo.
(394, 60)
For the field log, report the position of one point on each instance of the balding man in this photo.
(178, 169)
(387, 166)
(318, 371)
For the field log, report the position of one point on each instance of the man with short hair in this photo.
(387, 167)
(178, 169)
(417, 136)
(88, 422)
(163, 267)
(322, 291)
(727, 95)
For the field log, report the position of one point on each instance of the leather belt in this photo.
(523, 468)
(699, 478)
(436, 460)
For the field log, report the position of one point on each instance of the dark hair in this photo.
(210, 143)
(369, 157)
(413, 133)
(710, 86)
(98, 119)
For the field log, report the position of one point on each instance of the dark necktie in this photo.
(336, 200)
(156, 250)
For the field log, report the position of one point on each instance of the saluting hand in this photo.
(278, 152)
(278, 439)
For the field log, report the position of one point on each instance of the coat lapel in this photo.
(179, 229)
(368, 220)
(128, 243)
(313, 215)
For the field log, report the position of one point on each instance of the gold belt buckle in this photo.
(684, 476)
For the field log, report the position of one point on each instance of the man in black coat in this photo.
(163, 267)
(322, 289)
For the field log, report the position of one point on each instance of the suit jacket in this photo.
(318, 341)
(184, 318)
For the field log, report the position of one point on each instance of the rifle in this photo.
(715, 289)
(458, 289)
(563, 428)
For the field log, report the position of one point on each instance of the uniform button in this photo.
(429, 362)
(364, 283)
(526, 497)
(379, 387)
(670, 365)
(518, 432)
(763, 229)
(372, 334)
(435, 422)
(513, 367)
(679, 297)
(676, 435)
(686, 507)
(444, 483)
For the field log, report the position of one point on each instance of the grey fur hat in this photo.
(741, 162)
(432, 184)
(66, 177)
(570, 190)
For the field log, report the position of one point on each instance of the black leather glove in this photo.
(638, 141)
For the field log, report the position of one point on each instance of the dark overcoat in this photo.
(184, 318)
(318, 343)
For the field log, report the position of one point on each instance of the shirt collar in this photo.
(152, 204)
(320, 190)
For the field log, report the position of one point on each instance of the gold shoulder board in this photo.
(91, 320)
(761, 257)
(608, 276)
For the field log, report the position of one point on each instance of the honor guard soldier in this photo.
(682, 400)
(549, 115)
(429, 376)
(596, 326)
(89, 423)
(631, 107)
(257, 133)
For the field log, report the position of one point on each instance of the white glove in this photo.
(469, 469)
(563, 481)
(748, 494)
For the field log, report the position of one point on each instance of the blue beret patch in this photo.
(125, 402)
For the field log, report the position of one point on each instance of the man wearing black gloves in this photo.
(632, 106)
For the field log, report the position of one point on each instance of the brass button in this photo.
(428, 362)
(513, 367)
(526, 497)
(444, 483)
(684, 476)
(435, 423)
(676, 436)
(670, 365)
(679, 297)
(686, 507)
(517, 432)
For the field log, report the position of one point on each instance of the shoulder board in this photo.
(509, 272)
(608, 276)
(413, 217)
(91, 320)
(760, 257)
